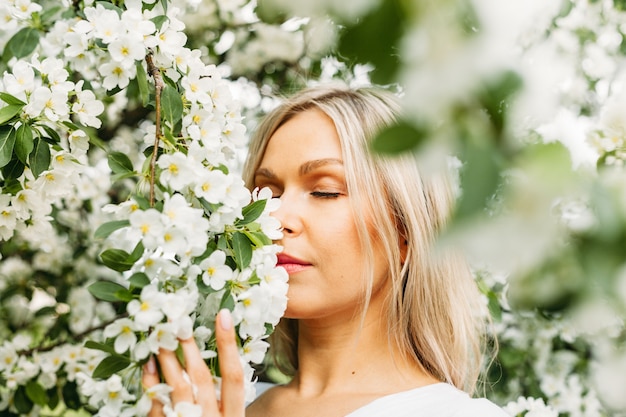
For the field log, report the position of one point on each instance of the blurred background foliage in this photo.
(529, 97)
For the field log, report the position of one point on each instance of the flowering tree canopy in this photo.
(124, 222)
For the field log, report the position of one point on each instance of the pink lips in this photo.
(292, 265)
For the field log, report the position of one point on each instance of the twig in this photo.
(155, 73)
(76, 337)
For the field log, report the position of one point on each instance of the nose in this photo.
(289, 215)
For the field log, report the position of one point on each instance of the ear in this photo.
(403, 243)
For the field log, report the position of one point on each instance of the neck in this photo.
(339, 355)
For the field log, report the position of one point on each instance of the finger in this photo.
(200, 376)
(173, 374)
(150, 378)
(233, 398)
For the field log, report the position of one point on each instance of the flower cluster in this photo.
(196, 241)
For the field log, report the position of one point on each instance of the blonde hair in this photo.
(434, 302)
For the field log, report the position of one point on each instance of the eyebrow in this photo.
(305, 168)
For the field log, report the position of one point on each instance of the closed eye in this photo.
(322, 194)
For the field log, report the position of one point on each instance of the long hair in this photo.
(434, 303)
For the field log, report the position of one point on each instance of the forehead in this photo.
(306, 136)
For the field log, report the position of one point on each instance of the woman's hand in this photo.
(199, 388)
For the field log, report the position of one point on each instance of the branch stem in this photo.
(155, 73)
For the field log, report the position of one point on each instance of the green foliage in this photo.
(252, 212)
(401, 137)
(22, 44)
(111, 365)
(375, 39)
(7, 143)
(172, 105)
(109, 291)
(242, 250)
(107, 228)
(39, 158)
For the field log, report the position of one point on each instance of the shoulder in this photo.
(437, 400)
(456, 403)
(267, 397)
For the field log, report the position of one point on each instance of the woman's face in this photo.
(303, 165)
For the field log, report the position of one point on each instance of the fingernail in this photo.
(226, 320)
(151, 366)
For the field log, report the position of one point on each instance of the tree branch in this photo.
(155, 73)
(76, 337)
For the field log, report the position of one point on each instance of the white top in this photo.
(436, 400)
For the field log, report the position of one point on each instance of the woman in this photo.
(378, 322)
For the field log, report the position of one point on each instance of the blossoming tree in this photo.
(124, 223)
(110, 254)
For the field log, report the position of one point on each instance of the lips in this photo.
(291, 264)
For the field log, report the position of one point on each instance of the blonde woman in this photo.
(378, 323)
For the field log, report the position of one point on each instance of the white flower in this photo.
(250, 311)
(116, 75)
(87, 107)
(211, 185)
(215, 271)
(126, 50)
(183, 409)
(21, 81)
(177, 172)
(22, 9)
(146, 312)
(162, 337)
(8, 357)
(77, 44)
(124, 332)
(254, 350)
(52, 103)
(160, 392)
(147, 224)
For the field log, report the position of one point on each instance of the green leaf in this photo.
(90, 344)
(70, 396)
(116, 259)
(106, 290)
(376, 39)
(53, 398)
(119, 163)
(22, 403)
(110, 6)
(9, 99)
(40, 157)
(251, 212)
(400, 137)
(109, 366)
(159, 20)
(7, 142)
(48, 17)
(242, 249)
(53, 134)
(24, 142)
(21, 44)
(136, 253)
(171, 105)
(258, 239)
(139, 280)
(480, 176)
(36, 393)
(495, 95)
(142, 82)
(143, 202)
(13, 170)
(107, 228)
(9, 112)
(45, 311)
(227, 301)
